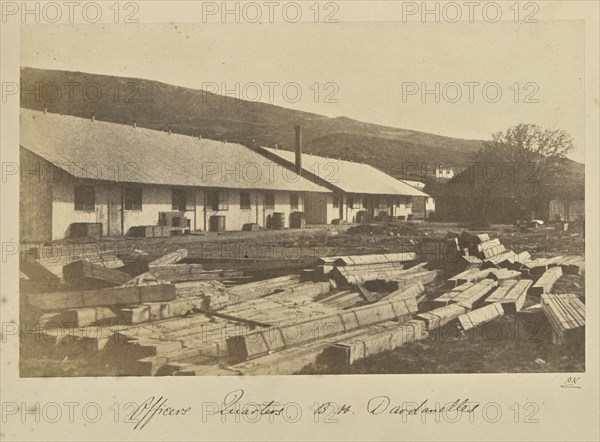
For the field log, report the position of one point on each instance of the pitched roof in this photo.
(349, 176)
(98, 149)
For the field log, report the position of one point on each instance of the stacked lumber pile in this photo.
(45, 264)
(95, 288)
(468, 251)
(566, 315)
(494, 281)
(376, 339)
(360, 268)
(345, 309)
(263, 342)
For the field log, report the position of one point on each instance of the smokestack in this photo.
(298, 150)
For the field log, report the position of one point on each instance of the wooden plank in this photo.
(511, 294)
(441, 316)
(466, 277)
(366, 293)
(516, 261)
(566, 314)
(411, 292)
(470, 262)
(349, 300)
(154, 311)
(253, 290)
(481, 315)
(308, 289)
(169, 258)
(101, 297)
(500, 260)
(84, 273)
(80, 317)
(177, 272)
(573, 265)
(288, 361)
(488, 244)
(448, 297)
(46, 263)
(262, 342)
(504, 287)
(476, 292)
(374, 259)
(375, 339)
(492, 251)
(402, 279)
(36, 271)
(545, 283)
(351, 276)
(502, 274)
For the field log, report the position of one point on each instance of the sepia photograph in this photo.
(311, 193)
(175, 225)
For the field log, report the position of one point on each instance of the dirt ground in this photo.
(496, 348)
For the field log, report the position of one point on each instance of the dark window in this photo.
(133, 198)
(190, 200)
(350, 201)
(336, 201)
(178, 200)
(270, 200)
(365, 202)
(294, 201)
(85, 198)
(217, 200)
(245, 200)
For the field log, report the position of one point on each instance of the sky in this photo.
(370, 71)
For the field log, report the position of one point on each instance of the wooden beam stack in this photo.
(101, 297)
(262, 342)
(376, 339)
(566, 314)
(253, 290)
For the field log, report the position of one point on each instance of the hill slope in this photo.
(157, 105)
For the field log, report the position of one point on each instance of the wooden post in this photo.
(122, 209)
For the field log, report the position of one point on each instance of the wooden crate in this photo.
(150, 231)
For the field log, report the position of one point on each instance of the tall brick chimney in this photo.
(298, 150)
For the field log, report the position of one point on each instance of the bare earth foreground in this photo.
(500, 345)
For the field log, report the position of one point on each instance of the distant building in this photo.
(360, 191)
(76, 170)
(422, 207)
(496, 194)
(444, 172)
